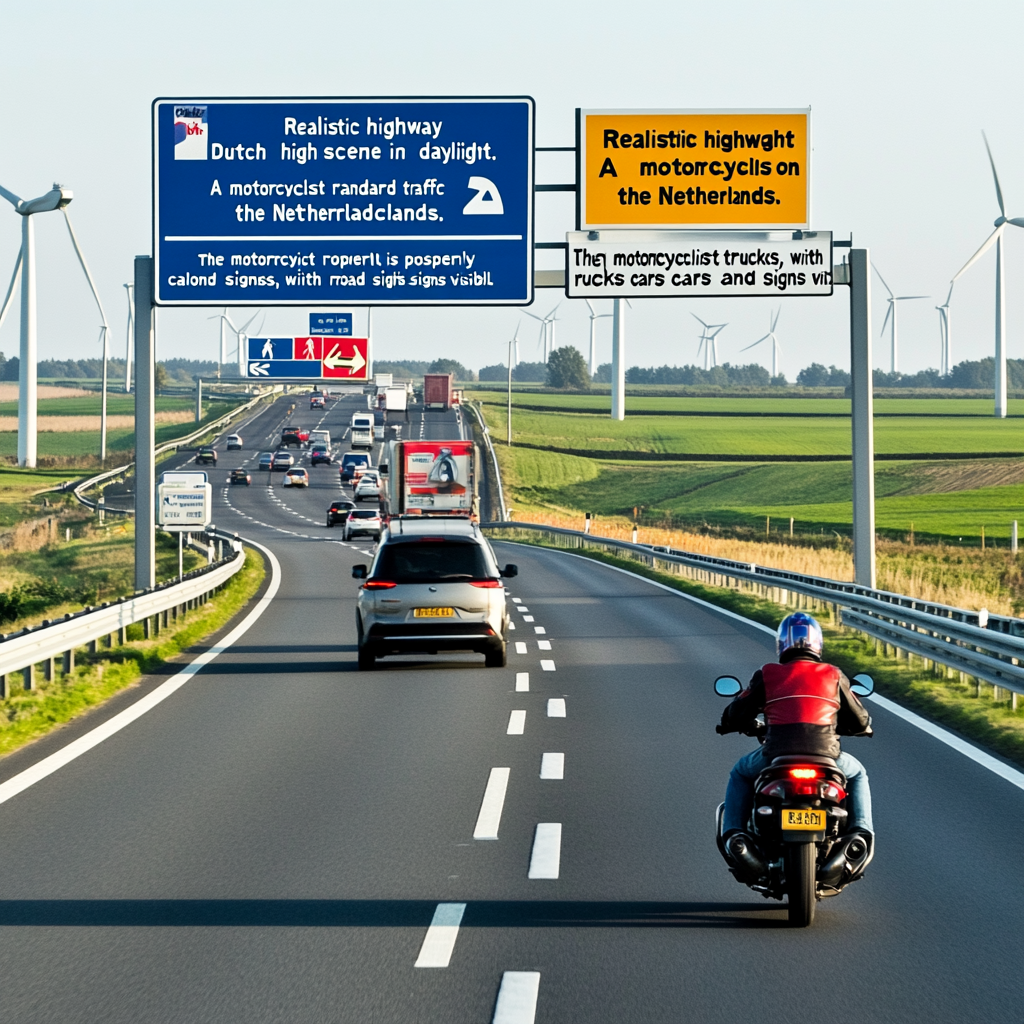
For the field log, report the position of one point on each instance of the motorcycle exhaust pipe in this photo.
(847, 862)
(747, 859)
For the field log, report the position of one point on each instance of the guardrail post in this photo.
(68, 662)
(145, 441)
(30, 677)
(862, 417)
(49, 668)
(147, 627)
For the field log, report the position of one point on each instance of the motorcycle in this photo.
(795, 846)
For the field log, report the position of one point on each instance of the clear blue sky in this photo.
(899, 92)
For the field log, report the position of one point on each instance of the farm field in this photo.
(776, 436)
(758, 407)
(948, 500)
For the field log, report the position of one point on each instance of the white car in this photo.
(434, 585)
(233, 443)
(363, 521)
(296, 478)
(368, 486)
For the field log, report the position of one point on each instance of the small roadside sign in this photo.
(698, 264)
(312, 358)
(183, 507)
(334, 324)
(694, 168)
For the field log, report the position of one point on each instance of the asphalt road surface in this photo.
(273, 842)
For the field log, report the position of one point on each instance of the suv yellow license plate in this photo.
(433, 613)
(803, 821)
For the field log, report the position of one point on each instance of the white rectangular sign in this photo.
(185, 507)
(697, 264)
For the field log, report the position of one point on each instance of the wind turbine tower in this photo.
(894, 301)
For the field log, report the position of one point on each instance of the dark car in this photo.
(320, 456)
(266, 461)
(283, 461)
(206, 456)
(338, 512)
(239, 476)
(350, 461)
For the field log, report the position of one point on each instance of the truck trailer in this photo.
(437, 390)
(431, 478)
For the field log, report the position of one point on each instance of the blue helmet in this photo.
(801, 632)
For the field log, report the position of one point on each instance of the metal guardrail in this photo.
(108, 474)
(988, 647)
(473, 407)
(21, 652)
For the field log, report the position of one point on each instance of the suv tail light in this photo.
(485, 583)
(378, 585)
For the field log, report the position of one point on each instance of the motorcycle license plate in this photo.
(433, 613)
(803, 821)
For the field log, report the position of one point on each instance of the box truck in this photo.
(430, 478)
(437, 390)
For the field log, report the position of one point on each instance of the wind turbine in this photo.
(770, 336)
(239, 335)
(893, 300)
(594, 316)
(708, 341)
(997, 236)
(546, 345)
(944, 366)
(130, 291)
(56, 199)
(513, 354)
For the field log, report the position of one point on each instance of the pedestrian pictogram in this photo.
(316, 358)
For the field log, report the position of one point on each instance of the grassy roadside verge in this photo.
(27, 715)
(970, 710)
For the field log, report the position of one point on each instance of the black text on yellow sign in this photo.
(694, 168)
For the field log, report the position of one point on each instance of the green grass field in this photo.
(89, 405)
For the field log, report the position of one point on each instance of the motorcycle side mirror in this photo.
(728, 686)
(863, 685)
(510, 570)
(359, 572)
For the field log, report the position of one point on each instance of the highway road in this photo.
(273, 842)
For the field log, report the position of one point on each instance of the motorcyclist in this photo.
(807, 705)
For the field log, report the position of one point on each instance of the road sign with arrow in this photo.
(315, 358)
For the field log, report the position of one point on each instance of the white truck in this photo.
(320, 437)
(431, 478)
(362, 430)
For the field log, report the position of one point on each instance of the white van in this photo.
(362, 430)
(320, 437)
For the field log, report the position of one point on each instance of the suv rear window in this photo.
(364, 513)
(433, 562)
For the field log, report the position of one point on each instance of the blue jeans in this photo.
(739, 794)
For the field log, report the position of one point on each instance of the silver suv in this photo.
(434, 585)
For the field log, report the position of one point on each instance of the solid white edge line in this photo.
(516, 723)
(517, 998)
(556, 707)
(489, 818)
(522, 682)
(976, 754)
(39, 771)
(546, 857)
(552, 766)
(439, 942)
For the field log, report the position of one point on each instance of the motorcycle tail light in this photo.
(804, 773)
(806, 789)
(778, 789)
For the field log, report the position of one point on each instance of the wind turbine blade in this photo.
(882, 279)
(534, 315)
(698, 319)
(9, 196)
(85, 266)
(995, 177)
(593, 314)
(10, 291)
(262, 322)
(900, 298)
(241, 330)
(775, 320)
(758, 342)
(888, 313)
(1017, 222)
(986, 245)
(555, 310)
(950, 295)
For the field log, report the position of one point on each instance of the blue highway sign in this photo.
(320, 202)
(337, 324)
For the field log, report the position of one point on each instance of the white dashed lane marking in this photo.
(543, 645)
(539, 629)
(552, 766)
(517, 998)
(527, 618)
(491, 806)
(516, 723)
(516, 600)
(556, 707)
(439, 942)
(520, 647)
(511, 624)
(522, 682)
(547, 850)
(547, 665)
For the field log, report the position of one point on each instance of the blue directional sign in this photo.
(336, 324)
(313, 202)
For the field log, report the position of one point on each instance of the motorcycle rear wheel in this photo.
(800, 866)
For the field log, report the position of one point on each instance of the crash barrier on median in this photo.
(474, 408)
(987, 647)
(80, 489)
(22, 652)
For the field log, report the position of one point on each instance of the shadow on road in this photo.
(381, 914)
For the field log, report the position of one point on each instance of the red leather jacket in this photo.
(807, 705)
